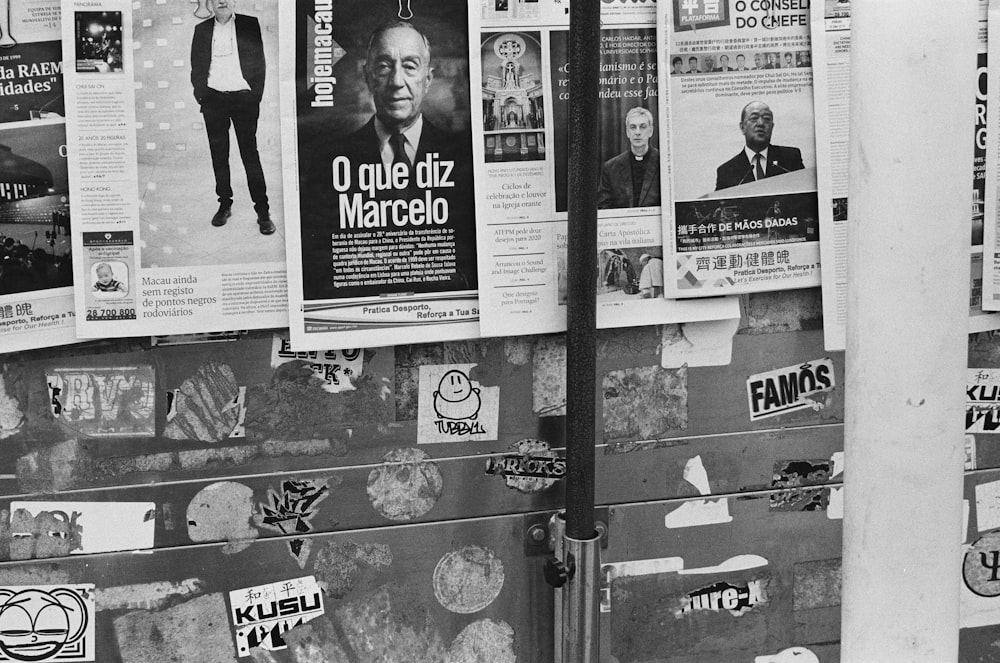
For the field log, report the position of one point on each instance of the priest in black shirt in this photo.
(632, 179)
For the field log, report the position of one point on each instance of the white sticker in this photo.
(790, 655)
(452, 407)
(835, 509)
(262, 614)
(65, 635)
(982, 401)
(789, 389)
(699, 512)
(703, 343)
(80, 528)
(988, 506)
(336, 369)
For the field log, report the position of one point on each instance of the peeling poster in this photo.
(85, 527)
(453, 407)
(982, 401)
(261, 615)
(104, 402)
(336, 369)
(790, 389)
(47, 623)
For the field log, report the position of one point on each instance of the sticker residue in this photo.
(87, 527)
(335, 369)
(205, 407)
(222, 512)
(468, 579)
(703, 343)
(406, 485)
(693, 513)
(104, 402)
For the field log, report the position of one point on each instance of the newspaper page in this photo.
(175, 152)
(738, 92)
(36, 269)
(831, 29)
(521, 157)
(379, 180)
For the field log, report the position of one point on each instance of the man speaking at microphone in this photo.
(759, 158)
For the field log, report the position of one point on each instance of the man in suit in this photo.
(398, 74)
(632, 179)
(227, 74)
(693, 65)
(759, 158)
(741, 62)
(723, 63)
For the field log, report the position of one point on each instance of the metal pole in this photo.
(580, 612)
(907, 321)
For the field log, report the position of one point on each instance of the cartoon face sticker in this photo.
(455, 397)
(35, 625)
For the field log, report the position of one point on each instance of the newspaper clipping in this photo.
(738, 88)
(986, 208)
(36, 269)
(831, 29)
(174, 145)
(521, 158)
(380, 193)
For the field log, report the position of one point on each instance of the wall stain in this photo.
(644, 403)
(340, 567)
(196, 630)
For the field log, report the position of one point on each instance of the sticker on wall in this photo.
(702, 343)
(467, 580)
(47, 623)
(790, 655)
(693, 513)
(736, 599)
(406, 485)
(222, 511)
(988, 506)
(452, 407)
(982, 400)
(797, 485)
(970, 452)
(790, 389)
(291, 510)
(262, 614)
(981, 566)
(335, 369)
(206, 407)
(533, 468)
(104, 402)
(80, 527)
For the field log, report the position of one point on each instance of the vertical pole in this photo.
(581, 544)
(908, 298)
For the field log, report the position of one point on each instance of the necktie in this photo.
(758, 167)
(398, 143)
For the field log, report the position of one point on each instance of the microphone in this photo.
(775, 164)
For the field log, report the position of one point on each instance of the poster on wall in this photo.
(175, 149)
(36, 257)
(379, 193)
(521, 158)
(831, 29)
(736, 82)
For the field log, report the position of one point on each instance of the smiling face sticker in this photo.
(455, 397)
(35, 625)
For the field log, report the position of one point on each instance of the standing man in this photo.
(632, 179)
(758, 158)
(227, 73)
(651, 277)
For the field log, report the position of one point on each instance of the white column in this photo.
(912, 111)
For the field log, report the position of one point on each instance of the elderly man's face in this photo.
(757, 124)
(398, 74)
(639, 129)
(223, 9)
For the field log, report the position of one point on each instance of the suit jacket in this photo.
(616, 181)
(320, 207)
(739, 170)
(249, 46)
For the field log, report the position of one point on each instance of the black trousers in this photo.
(240, 110)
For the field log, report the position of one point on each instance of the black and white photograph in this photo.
(208, 136)
(98, 42)
(513, 97)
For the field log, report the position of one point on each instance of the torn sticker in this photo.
(790, 655)
(452, 407)
(797, 485)
(468, 579)
(548, 376)
(222, 511)
(239, 403)
(703, 343)
(81, 528)
(406, 485)
(291, 510)
(981, 566)
(970, 453)
(640, 567)
(988, 506)
(104, 402)
(203, 405)
(982, 400)
(835, 507)
(730, 565)
(790, 389)
(532, 469)
(262, 614)
(644, 403)
(47, 623)
(335, 369)
(694, 513)
(736, 599)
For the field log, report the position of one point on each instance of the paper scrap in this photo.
(695, 474)
(101, 526)
(703, 343)
(835, 509)
(699, 512)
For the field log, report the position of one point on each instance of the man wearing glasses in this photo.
(759, 158)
